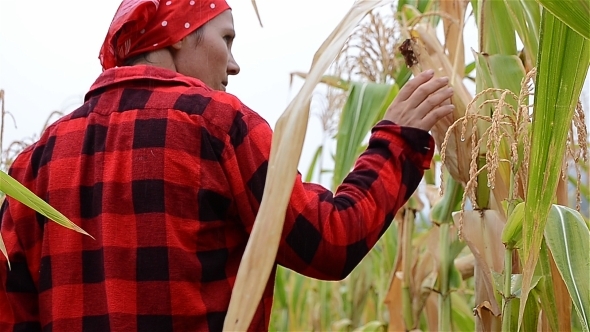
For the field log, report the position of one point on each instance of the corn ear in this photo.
(512, 232)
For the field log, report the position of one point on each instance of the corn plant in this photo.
(505, 243)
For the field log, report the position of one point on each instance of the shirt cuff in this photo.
(418, 141)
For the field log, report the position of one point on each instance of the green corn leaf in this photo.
(545, 289)
(280, 288)
(366, 104)
(530, 320)
(568, 239)
(298, 295)
(526, 18)
(14, 189)
(462, 314)
(421, 5)
(574, 13)
(403, 76)
(515, 283)
(564, 56)
(501, 71)
(475, 6)
(496, 33)
(512, 232)
(469, 68)
(408, 12)
(442, 211)
(314, 161)
(455, 277)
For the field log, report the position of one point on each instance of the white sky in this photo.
(49, 56)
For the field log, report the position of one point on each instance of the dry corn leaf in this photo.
(563, 300)
(432, 193)
(465, 265)
(486, 320)
(431, 312)
(394, 294)
(422, 279)
(453, 27)
(260, 254)
(3, 250)
(257, 13)
(482, 231)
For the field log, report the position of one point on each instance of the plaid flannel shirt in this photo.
(167, 176)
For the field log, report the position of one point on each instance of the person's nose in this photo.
(232, 66)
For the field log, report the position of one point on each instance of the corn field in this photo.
(495, 239)
(498, 235)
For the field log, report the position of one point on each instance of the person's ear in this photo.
(178, 45)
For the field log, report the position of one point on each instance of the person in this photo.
(166, 171)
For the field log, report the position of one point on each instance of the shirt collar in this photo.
(127, 75)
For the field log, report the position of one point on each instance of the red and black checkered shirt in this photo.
(168, 176)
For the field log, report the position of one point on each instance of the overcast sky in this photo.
(49, 55)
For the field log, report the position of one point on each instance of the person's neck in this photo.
(159, 58)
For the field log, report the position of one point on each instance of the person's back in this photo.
(166, 172)
(144, 171)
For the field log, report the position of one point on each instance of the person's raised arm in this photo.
(327, 234)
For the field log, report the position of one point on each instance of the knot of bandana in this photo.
(146, 25)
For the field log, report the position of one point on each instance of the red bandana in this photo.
(147, 25)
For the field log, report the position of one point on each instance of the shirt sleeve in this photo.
(327, 234)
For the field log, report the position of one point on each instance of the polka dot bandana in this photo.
(146, 25)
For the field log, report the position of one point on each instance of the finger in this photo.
(408, 89)
(435, 115)
(425, 90)
(433, 101)
(446, 101)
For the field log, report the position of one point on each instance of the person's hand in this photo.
(421, 102)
